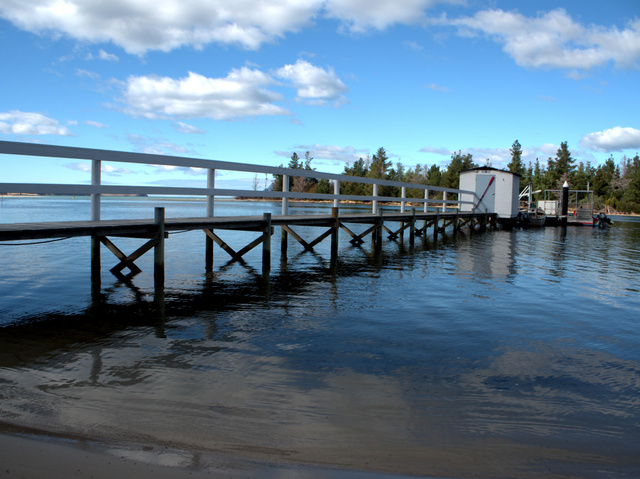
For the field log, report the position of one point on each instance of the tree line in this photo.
(616, 185)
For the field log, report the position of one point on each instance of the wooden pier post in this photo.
(377, 236)
(96, 278)
(335, 228)
(284, 236)
(158, 260)
(211, 183)
(436, 225)
(412, 228)
(266, 245)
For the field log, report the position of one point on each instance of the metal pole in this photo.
(403, 200)
(336, 191)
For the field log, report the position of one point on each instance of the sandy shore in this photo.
(23, 457)
(41, 457)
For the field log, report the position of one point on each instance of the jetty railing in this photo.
(210, 192)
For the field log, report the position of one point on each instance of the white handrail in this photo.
(96, 189)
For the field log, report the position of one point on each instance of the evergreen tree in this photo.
(459, 162)
(516, 165)
(564, 166)
(378, 169)
(379, 164)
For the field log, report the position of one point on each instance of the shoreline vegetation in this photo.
(615, 185)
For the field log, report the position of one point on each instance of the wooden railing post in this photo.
(444, 201)
(96, 167)
(336, 191)
(403, 200)
(285, 200)
(374, 208)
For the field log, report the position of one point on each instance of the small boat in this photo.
(529, 215)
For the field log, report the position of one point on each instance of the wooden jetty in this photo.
(395, 223)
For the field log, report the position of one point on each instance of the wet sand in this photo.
(35, 457)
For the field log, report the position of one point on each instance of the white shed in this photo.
(496, 191)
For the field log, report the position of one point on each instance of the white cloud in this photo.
(142, 25)
(28, 123)
(346, 154)
(315, 85)
(613, 139)
(102, 55)
(554, 40)
(96, 124)
(105, 168)
(188, 129)
(433, 86)
(362, 15)
(436, 151)
(242, 93)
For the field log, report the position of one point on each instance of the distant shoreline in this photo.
(257, 199)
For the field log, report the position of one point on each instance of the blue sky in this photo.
(254, 81)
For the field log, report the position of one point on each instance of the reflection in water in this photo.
(502, 354)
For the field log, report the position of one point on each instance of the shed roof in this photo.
(490, 168)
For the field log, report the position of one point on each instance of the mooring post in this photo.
(211, 183)
(565, 203)
(158, 260)
(266, 245)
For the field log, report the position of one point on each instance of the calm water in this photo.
(500, 354)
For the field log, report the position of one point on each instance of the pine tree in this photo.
(516, 165)
(564, 166)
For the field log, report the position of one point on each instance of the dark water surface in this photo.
(498, 354)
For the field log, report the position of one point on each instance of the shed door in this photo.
(485, 186)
